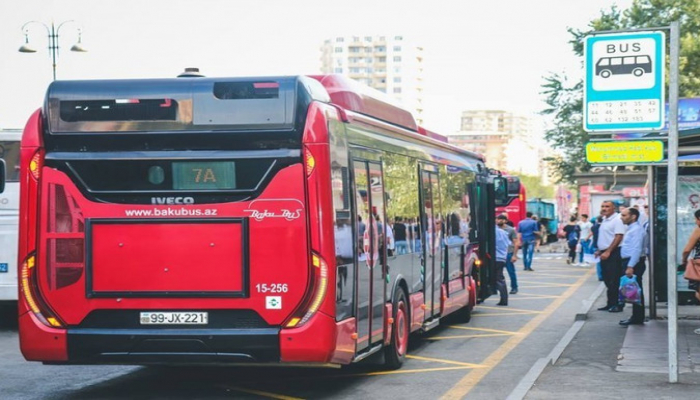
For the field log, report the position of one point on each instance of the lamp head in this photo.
(26, 48)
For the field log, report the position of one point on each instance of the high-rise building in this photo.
(506, 139)
(389, 64)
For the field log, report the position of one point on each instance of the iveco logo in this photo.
(172, 200)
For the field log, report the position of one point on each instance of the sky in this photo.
(477, 54)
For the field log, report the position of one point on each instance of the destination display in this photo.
(204, 175)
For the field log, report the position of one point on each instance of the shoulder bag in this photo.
(692, 269)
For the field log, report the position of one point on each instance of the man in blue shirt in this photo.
(527, 239)
(633, 254)
(502, 243)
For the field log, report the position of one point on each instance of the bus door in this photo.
(9, 214)
(432, 245)
(371, 236)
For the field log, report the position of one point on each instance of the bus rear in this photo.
(9, 210)
(176, 221)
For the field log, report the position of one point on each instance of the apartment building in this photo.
(390, 64)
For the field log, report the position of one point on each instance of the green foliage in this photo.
(535, 188)
(565, 99)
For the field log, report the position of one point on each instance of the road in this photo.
(484, 359)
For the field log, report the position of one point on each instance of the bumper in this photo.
(159, 346)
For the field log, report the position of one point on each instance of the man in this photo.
(632, 254)
(502, 221)
(527, 238)
(586, 235)
(502, 243)
(610, 236)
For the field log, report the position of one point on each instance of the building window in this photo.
(354, 49)
(398, 37)
(397, 90)
(382, 59)
(368, 59)
(397, 58)
(339, 39)
(355, 38)
(397, 48)
(368, 38)
(338, 70)
(338, 49)
(380, 49)
(397, 79)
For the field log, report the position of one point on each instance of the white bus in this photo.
(9, 214)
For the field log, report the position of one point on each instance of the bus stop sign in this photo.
(624, 81)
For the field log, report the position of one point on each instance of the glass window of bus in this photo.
(9, 151)
(628, 60)
(604, 62)
(616, 61)
(400, 177)
(643, 60)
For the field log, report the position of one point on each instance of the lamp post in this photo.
(52, 31)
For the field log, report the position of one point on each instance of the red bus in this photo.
(286, 220)
(515, 203)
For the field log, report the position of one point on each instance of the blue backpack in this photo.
(572, 236)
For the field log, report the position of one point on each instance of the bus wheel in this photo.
(605, 73)
(464, 314)
(638, 72)
(395, 353)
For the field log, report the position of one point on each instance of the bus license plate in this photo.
(174, 318)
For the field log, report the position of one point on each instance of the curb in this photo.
(536, 370)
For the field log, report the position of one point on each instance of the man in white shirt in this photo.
(586, 236)
(633, 255)
(610, 236)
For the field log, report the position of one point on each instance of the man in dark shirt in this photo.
(400, 242)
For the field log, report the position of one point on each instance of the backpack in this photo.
(573, 235)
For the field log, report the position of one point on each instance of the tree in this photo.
(565, 99)
(535, 188)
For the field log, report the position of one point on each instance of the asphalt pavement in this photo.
(607, 361)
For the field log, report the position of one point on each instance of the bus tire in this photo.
(638, 72)
(464, 314)
(605, 73)
(395, 353)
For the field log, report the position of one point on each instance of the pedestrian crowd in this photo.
(617, 242)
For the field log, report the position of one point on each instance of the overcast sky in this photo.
(478, 54)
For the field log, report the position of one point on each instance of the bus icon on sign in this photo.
(634, 65)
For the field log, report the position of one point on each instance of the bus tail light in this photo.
(31, 295)
(65, 238)
(35, 165)
(320, 282)
(310, 161)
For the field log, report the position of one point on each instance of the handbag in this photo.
(692, 270)
(630, 291)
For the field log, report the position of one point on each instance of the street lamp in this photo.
(52, 32)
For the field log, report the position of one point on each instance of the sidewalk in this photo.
(608, 361)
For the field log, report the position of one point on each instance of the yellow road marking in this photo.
(405, 371)
(546, 275)
(542, 286)
(504, 313)
(510, 309)
(534, 296)
(547, 283)
(467, 383)
(261, 393)
(470, 365)
(531, 298)
(467, 336)
(467, 328)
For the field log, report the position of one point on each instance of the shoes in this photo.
(531, 270)
(514, 291)
(626, 322)
(568, 261)
(606, 308)
(615, 309)
(502, 303)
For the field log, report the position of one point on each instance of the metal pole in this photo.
(650, 298)
(53, 48)
(672, 206)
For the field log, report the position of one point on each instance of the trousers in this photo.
(612, 272)
(639, 269)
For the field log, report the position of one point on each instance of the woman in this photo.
(572, 234)
(693, 246)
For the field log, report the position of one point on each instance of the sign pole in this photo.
(671, 273)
